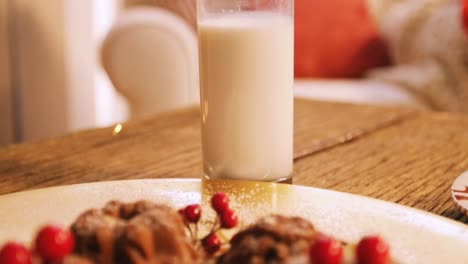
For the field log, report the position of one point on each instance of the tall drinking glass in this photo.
(246, 79)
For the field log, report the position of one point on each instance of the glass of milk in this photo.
(246, 80)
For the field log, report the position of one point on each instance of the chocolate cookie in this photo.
(141, 232)
(273, 239)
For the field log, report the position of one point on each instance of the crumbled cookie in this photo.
(273, 239)
(141, 232)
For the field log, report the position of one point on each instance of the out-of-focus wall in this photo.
(111, 107)
(37, 32)
(6, 95)
(58, 83)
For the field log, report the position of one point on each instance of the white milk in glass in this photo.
(246, 72)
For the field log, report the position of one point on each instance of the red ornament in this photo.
(14, 253)
(228, 219)
(372, 250)
(192, 213)
(220, 202)
(464, 15)
(211, 243)
(326, 250)
(53, 243)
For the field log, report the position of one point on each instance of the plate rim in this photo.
(199, 180)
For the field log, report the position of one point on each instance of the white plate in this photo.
(460, 193)
(414, 236)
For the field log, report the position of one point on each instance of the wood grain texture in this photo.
(413, 162)
(394, 154)
(168, 145)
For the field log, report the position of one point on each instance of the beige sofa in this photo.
(150, 56)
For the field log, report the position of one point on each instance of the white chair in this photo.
(151, 58)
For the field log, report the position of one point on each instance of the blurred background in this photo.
(51, 81)
(68, 65)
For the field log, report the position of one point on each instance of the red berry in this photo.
(192, 213)
(220, 202)
(372, 250)
(326, 250)
(14, 253)
(228, 219)
(53, 243)
(211, 243)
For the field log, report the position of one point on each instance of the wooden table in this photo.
(394, 154)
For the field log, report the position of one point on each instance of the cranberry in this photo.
(326, 250)
(53, 243)
(14, 253)
(220, 202)
(192, 213)
(211, 243)
(372, 250)
(228, 219)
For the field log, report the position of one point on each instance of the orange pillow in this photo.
(336, 38)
